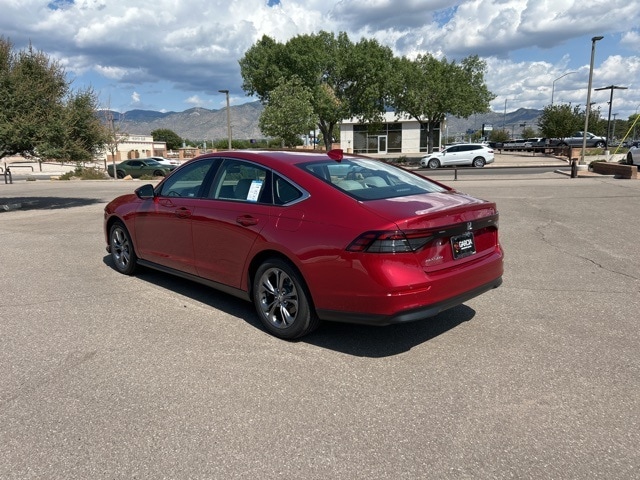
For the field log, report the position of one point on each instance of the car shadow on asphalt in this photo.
(356, 340)
(8, 204)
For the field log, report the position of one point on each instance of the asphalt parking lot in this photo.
(107, 376)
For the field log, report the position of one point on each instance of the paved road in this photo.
(106, 376)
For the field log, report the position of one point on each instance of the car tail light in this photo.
(399, 241)
(395, 241)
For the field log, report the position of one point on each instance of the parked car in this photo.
(165, 161)
(475, 154)
(576, 140)
(633, 156)
(536, 143)
(311, 236)
(514, 144)
(140, 167)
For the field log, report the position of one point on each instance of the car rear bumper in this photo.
(411, 315)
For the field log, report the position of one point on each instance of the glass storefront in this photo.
(386, 140)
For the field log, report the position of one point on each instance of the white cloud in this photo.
(194, 45)
(195, 101)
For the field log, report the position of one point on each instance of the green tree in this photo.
(529, 132)
(32, 89)
(429, 89)
(561, 120)
(289, 113)
(345, 79)
(171, 138)
(82, 134)
(39, 114)
(499, 136)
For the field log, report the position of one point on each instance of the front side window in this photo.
(188, 180)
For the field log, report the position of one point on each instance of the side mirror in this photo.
(145, 192)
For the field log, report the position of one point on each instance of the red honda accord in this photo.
(311, 236)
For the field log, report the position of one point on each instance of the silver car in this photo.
(633, 156)
(475, 154)
(577, 138)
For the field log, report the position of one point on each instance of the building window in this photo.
(366, 140)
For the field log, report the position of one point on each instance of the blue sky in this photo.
(171, 56)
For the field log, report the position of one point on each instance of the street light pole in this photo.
(612, 88)
(226, 92)
(588, 110)
(553, 85)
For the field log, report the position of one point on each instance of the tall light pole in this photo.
(226, 92)
(553, 85)
(588, 110)
(612, 88)
(504, 117)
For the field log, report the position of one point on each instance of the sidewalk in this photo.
(47, 170)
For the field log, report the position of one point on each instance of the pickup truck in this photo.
(527, 144)
(515, 144)
(575, 140)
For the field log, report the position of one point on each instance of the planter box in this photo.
(620, 171)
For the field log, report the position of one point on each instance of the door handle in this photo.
(247, 220)
(183, 212)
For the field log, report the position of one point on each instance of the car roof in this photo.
(463, 144)
(280, 157)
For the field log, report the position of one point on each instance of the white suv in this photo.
(475, 154)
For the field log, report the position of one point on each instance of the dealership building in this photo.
(398, 135)
(136, 146)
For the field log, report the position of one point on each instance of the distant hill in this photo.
(513, 122)
(195, 123)
(203, 124)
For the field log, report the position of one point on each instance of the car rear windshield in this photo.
(368, 179)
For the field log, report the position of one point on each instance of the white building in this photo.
(398, 135)
(137, 146)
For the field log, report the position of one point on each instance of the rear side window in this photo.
(284, 192)
(368, 179)
(241, 181)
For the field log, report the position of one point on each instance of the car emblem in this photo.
(469, 226)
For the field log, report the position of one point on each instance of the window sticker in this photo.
(254, 190)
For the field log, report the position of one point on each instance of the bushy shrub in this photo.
(84, 173)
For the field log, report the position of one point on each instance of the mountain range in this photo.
(202, 124)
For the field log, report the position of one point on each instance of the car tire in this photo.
(158, 173)
(282, 300)
(433, 163)
(478, 162)
(600, 144)
(120, 174)
(123, 254)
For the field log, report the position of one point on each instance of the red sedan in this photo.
(311, 236)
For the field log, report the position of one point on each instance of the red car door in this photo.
(163, 232)
(226, 227)
(163, 225)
